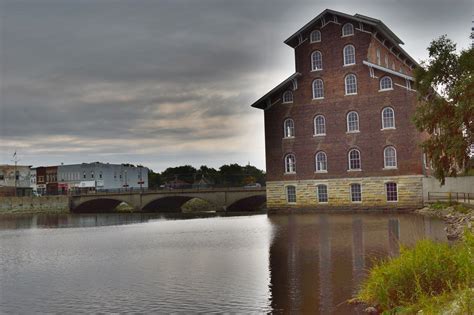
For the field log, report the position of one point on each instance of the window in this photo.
(100, 174)
(388, 118)
(352, 122)
(390, 157)
(386, 84)
(322, 193)
(319, 126)
(321, 162)
(289, 128)
(318, 89)
(348, 29)
(356, 193)
(391, 190)
(378, 56)
(354, 159)
(290, 164)
(349, 55)
(351, 84)
(92, 174)
(316, 61)
(2, 177)
(315, 36)
(291, 194)
(288, 97)
(84, 175)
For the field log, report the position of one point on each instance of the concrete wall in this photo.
(44, 204)
(463, 184)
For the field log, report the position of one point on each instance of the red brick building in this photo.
(338, 131)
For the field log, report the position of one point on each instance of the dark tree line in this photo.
(229, 175)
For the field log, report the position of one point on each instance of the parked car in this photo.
(252, 185)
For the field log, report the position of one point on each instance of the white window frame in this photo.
(311, 36)
(284, 101)
(383, 118)
(290, 168)
(322, 89)
(318, 193)
(349, 160)
(288, 131)
(345, 84)
(386, 191)
(317, 165)
(344, 30)
(378, 56)
(346, 55)
(348, 122)
(385, 157)
(316, 134)
(288, 194)
(351, 192)
(381, 85)
(314, 62)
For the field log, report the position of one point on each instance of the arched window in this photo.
(290, 163)
(356, 193)
(386, 84)
(321, 162)
(288, 97)
(319, 125)
(352, 122)
(316, 61)
(322, 193)
(291, 194)
(348, 29)
(391, 191)
(318, 89)
(354, 159)
(388, 118)
(349, 55)
(289, 128)
(315, 36)
(390, 157)
(351, 84)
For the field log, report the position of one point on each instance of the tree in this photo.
(445, 83)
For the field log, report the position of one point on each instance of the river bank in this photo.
(457, 217)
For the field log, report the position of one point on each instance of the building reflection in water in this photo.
(317, 261)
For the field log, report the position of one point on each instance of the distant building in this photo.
(101, 176)
(12, 177)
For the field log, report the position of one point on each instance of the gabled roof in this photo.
(378, 25)
(260, 103)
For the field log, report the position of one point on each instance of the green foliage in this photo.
(428, 276)
(445, 84)
(227, 175)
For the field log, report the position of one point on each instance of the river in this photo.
(308, 263)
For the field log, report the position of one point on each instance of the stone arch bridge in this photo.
(225, 199)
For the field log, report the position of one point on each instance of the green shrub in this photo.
(419, 274)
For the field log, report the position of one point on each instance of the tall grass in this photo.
(426, 276)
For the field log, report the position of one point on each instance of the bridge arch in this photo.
(170, 203)
(105, 204)
(252, 203)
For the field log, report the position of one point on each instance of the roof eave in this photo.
(257, 104)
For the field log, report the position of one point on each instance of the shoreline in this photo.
(457, 218)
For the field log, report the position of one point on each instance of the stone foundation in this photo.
(410, 194)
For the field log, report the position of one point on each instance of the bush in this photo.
(418, 275)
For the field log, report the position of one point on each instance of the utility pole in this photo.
(15, 160)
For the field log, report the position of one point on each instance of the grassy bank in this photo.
(435, 278)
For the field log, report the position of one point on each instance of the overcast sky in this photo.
(166, 82)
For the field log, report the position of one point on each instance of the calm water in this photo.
(144, 263)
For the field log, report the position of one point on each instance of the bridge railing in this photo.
(161, 189)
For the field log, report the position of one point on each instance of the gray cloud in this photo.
(165, 82)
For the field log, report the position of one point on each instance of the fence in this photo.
(451, 197)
